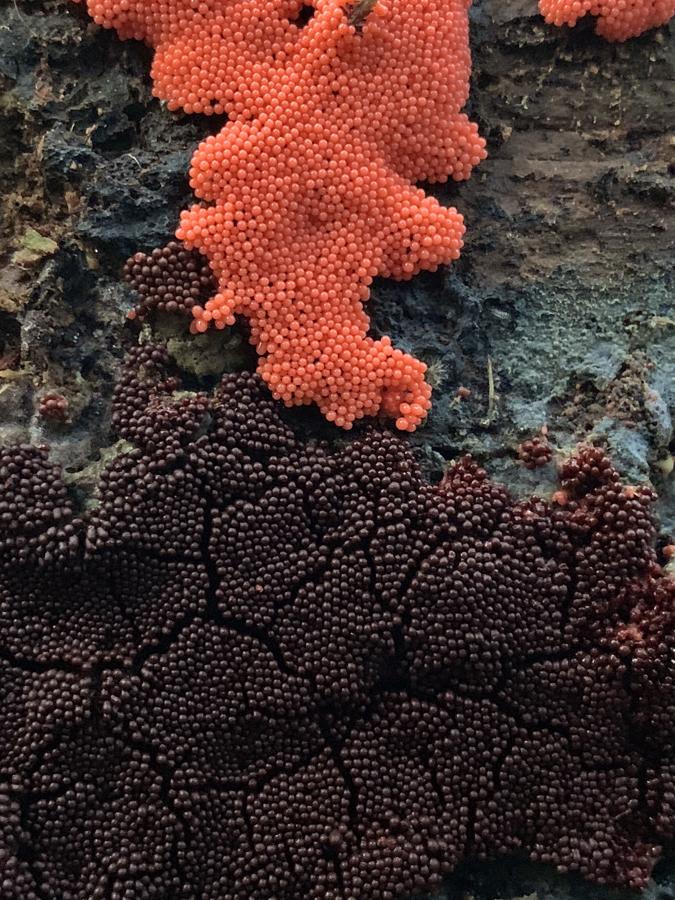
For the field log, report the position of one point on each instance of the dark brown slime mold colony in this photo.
(262, 668)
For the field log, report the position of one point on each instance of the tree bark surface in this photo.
(560, 312)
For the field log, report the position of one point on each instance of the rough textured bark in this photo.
(559, 313)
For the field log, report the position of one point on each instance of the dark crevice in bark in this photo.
(335, 746)
(470, 827)
(38, 666)
(165, 643)
(261, 636)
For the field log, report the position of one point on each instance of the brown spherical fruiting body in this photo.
(535, 452)
(308, 192)
(169, 279)
(260, 668)
(54, 407)
(617, 20)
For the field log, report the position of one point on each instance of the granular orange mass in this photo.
(308, 191)
(618, 20)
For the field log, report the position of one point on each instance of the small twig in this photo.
(491, 387)
(492, 396)
(135, 160)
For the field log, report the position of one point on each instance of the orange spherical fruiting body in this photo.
(308, 192)
(618, 20)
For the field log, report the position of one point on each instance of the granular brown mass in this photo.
(535, 452)
(53, 407)
(265, 669)
(169, 279)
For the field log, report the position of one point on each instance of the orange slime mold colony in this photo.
(618, 20)
(335, 110)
